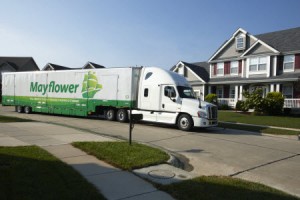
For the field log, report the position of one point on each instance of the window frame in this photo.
(232, 66)
(220, 66)
(222, 93)
(258, 63)
(285, 94)
(243, 42)
(285, 62)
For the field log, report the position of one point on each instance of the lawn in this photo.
(123, 155)
(32, 173)
(280, 121)
(223, 188)
(5, 119)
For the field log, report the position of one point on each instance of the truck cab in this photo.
(167, 97)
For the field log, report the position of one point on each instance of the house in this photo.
(91, 65)
(54, 67)
(269, 61)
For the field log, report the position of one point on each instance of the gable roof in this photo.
(20, 63)
(201, 69)
(56, 67)
(284, 40)
(94, 65)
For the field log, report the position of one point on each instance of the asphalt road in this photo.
(269, 160)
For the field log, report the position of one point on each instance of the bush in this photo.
(240, 105)
(255, 101)
(224, 107)
(274, 103)
(212, 98)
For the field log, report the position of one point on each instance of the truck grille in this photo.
(212, 112)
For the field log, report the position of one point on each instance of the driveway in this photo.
(273, 161)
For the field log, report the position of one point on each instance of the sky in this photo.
(122, 33)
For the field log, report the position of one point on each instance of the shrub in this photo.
(274, 103)
(255, 101)
(212, 98)
(224, 107)
(240, 105)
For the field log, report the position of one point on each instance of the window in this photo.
(220, 69)
(258, 64)
(220, 92)
(146, 92)
(288, 63)
(287, 91)
(170, 91)
(240, 42)
(232, 93)
(148, 75)
(186, 92)
(234, 67)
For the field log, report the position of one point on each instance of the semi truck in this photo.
(159, 95)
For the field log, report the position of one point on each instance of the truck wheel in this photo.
(27, 110)
(122, 115)
(110, 115)
(19, 109)
(185, 122)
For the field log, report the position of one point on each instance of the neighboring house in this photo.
(16, 64)
(54, 67)
(90, 65)
(196, 73)
(269, 61)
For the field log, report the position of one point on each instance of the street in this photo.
(273, 161)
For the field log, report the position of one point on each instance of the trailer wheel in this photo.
(122, 115)
(20, 109)
(110, 114)
(185, 122)
(27, 110)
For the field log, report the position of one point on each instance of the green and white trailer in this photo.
(159, 95)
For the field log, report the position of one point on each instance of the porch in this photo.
(288, 103)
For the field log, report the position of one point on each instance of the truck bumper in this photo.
(202, 122)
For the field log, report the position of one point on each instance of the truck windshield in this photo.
(186, 92)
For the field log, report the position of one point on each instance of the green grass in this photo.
(259, 129)
(32, 173)
(280, 121)
(122, 155)
(221, 188)
(5, 119)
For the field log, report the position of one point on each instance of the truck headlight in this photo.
(202, 114)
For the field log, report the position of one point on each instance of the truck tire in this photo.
(27, 109)
(110, 114)
(185, 122)
(122, 115)
(20, 109)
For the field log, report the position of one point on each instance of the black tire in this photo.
(20, 109)
(110, 114)
(122, 115)
(27, 109)
(185, 122)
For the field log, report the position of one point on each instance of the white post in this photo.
(275, 66)
(272, 87)
(203, 93)
(241, 93)
(277, 87)
(268, 66)
(236, 93)
(209, 89)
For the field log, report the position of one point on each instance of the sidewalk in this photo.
(113, 183)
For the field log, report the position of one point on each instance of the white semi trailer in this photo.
(159, 95)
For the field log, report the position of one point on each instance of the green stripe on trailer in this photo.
(64, 106)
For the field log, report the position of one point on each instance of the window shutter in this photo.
(240, 66)
(227, 68)
(297, 61)
(280, 63)
(215, 69)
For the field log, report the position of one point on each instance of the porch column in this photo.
(277, 87)
(272, 87)
(203, 93)
(241, 93)
(236, 93)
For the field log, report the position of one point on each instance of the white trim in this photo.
(275, 66)
(289, 70)
(217, 74)
(232, 74)
(48, 64)
(261, 42)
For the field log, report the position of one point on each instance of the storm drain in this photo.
(161, 174)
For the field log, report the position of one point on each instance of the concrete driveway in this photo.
(273, 161)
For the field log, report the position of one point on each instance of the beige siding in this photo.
(190, 76)
(259, 49)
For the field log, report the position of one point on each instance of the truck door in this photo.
(169, 104)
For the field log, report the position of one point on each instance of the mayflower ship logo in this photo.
(90, 85)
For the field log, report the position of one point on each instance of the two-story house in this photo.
(269, 61)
